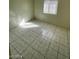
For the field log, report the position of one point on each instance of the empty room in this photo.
(39, 29)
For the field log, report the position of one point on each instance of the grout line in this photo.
(48, 46)
(9, 53)
(47, 49)
(12, 28)
(37, 51)
(29, 45)
(16, 50)
(58, 51)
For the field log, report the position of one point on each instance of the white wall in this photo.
(29, 9)
(61, 19)
(19, 9)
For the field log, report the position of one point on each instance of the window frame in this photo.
(48, 7)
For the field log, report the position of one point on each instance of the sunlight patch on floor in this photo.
(24, 24)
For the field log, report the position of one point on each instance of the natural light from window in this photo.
(50, 6)
(24, 24)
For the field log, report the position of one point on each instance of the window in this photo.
(50, 6)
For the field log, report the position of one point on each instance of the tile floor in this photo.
(41, 41)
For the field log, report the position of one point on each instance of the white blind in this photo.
(50, 6)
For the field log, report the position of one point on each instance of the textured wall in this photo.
(61, 19)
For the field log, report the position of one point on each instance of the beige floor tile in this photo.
(62, 57)
(51, 54)
(45, 41)
(37, 55)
